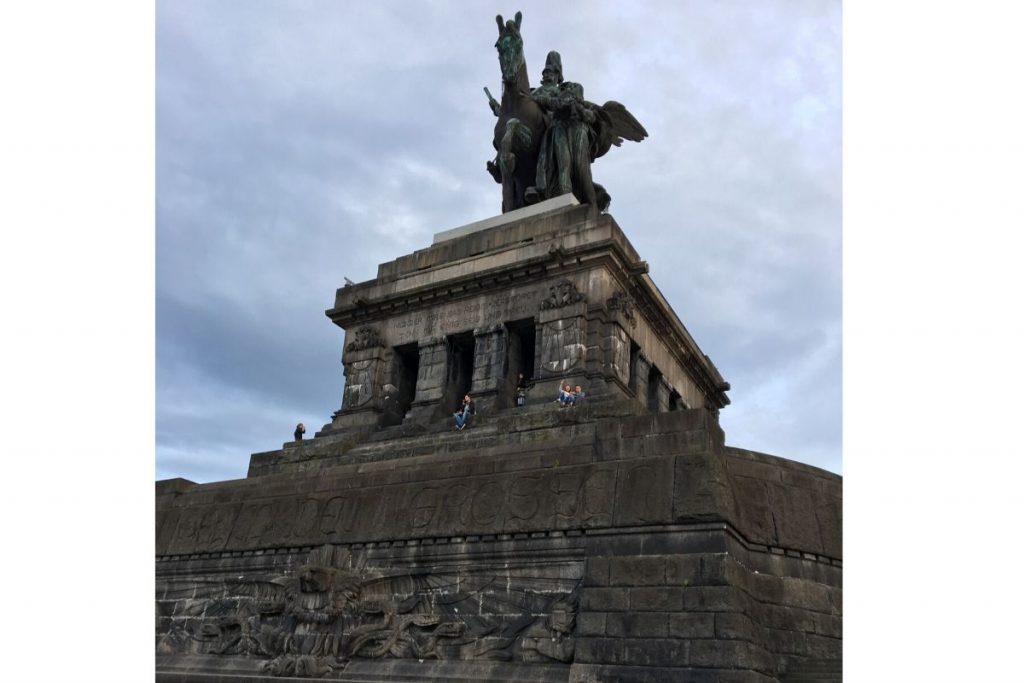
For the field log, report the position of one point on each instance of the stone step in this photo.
(505, 431)
(814, 671)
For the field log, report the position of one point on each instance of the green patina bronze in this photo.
(548, 137)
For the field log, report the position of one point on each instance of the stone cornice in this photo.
(557, 261)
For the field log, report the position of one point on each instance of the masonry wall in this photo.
(610, 549)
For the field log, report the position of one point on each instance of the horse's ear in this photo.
(519, 20)
(501, 23)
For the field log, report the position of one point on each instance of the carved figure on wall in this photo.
(365, 338)
(620, 301)
(359, 380)
(555, 640)
(311, 621)
(563, 345)
(562, 293)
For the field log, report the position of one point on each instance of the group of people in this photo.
(569, 397)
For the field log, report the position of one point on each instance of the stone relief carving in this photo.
(554, 640)
(620, 353)
(359, 381)
(563, 345)
(562, 293)
(620, 301)
(365, 338)
(310, 622)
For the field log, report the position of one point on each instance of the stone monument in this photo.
(619, 539)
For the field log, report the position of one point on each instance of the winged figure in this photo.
(577, 133)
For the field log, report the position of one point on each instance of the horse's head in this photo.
(510, 48)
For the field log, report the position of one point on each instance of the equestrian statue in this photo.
(548, 137)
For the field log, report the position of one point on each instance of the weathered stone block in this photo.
(605, 599)
(637, 571)
(656, 599)
(730, 654)
(655, 652)
(637, 625)
(692, 625)
(735, 626)
(596, 572)
(593, 673)
(828, 625)
(806, 595)
(714, 599)
(682, 570)
(591, 624)
(644, 493)
(600, 650)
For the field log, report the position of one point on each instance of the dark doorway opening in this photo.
(522, 340)
(522, 352)
(460, 369)
(406, 370)
(675, 402)
(653, 380)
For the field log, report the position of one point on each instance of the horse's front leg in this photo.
(507, 164)
(517, 136)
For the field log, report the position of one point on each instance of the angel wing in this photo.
(615, 124)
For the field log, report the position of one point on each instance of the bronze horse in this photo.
(520, 126)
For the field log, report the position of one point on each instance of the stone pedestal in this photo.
(608, 542)
(363, 400)
(552, 547)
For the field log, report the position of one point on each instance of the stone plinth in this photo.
(617, 540)
(582, 547)
(563, 288)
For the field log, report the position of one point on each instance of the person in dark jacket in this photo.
(521, 388)
(299, 431)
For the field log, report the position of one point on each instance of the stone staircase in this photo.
(512, 431)
(814, 671)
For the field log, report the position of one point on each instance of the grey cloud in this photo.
(300, 142)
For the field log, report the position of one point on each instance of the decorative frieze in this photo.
(622, 302)
(310, 621)
(365, 338)
(562, 293)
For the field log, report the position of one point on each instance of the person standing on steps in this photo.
(300, 429)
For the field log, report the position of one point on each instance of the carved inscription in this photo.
(463, 316)
(645, 492)
(570, 497)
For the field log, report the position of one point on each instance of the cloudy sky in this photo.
(298, 143)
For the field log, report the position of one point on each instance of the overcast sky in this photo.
(302, 142)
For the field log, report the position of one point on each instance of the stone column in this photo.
(663, 390)
(430, 380)
(562, 336)
(364, 359)
(490, 353)
(640, 371)
(615, 346)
